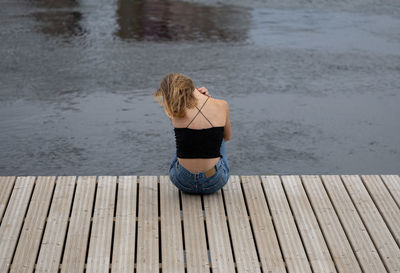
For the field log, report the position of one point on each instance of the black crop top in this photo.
(199, 143)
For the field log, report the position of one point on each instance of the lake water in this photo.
(313, 87)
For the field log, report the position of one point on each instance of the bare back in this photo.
(211, 114)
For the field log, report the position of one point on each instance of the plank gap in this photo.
(159, 224)
(183, 231)
(114, 217)
(137, 223)
(68, 222)
(91, 223)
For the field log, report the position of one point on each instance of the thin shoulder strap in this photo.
(199, 112)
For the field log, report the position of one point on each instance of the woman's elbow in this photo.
(226, 138)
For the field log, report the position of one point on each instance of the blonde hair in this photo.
(175, 93)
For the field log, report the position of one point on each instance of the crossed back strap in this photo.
(201, 113)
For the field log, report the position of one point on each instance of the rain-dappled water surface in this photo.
(312, 89)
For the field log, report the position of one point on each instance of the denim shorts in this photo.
(198, 183)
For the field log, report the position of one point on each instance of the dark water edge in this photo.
(312, 90)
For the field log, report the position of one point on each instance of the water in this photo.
(312, 88)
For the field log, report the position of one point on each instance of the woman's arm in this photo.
(227, 128)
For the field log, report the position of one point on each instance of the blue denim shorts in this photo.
(198, 183)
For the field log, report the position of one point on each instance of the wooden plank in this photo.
(218, 234)
(334, 234)
(98, 259)
(392, 182)
(56, 227)
(13, 219)
(78, 231)
(123, 255)
(313, 240)
(32, 230)
(147, 240)
(377, 229)
(171, 230)
(239, 225)
(6, 185)
(385, 204)
(292, 247)
(194, 234)
(357, 234)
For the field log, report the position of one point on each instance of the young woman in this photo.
(201, 125)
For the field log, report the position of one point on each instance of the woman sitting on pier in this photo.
(200, 165)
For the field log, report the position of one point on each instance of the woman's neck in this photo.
(198, 95)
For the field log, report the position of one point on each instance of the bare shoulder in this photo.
(222, 103)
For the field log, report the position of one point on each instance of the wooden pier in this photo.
(288, 223)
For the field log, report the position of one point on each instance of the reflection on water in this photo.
(144, 20)
(171, 21)
(59, 18)
(60, 23)
(55, 3)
